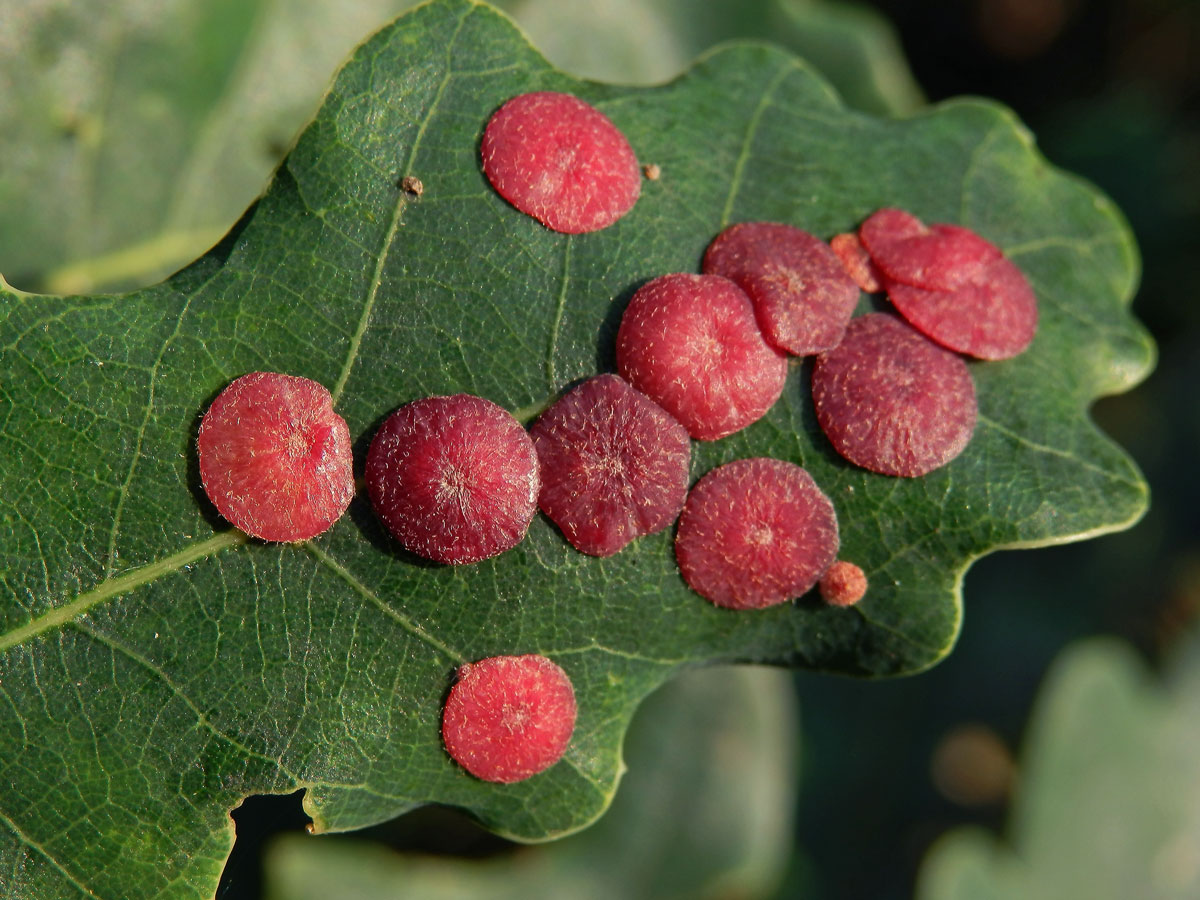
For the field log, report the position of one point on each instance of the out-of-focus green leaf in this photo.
(703, 812)
(853, 46)
(1109, 801)
(133, 133)
(157, 666)
(646, 41)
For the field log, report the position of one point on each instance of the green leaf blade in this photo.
(217, 667)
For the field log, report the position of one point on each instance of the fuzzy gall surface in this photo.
(857, 262)
(692, 344)
(802, 296)
(891, 400)
(952, 285)
(755, 533)
(275, 459)
(562, 161)
(843, 584)
(614, 465)
(455, 479)
(993, 315)
(508, 718)
(934, 257)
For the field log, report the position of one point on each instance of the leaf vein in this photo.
(136, 454)
(1054, 451)
(366, 593)
(202, 719)
(45, 854)
(739, 167)
(556, 325)
(394, 225)
(113, 587)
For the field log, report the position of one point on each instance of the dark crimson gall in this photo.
(937, 257)
(843, 584)
(560, 160)
(455, 478)
(952, 285)
(508, 718)
(802, 296)
(991, 316)
(614, 465)
(892, 401)
(754, 533)
(275, 458)
(691, 343)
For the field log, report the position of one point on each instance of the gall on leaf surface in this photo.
(560, 160)
(755, 533)
(891, 400)
(508, 718)
(275, 458)
(148, 651)
(454, 479)
(614, 465)
(802, 292)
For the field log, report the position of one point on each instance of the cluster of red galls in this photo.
(457, 479)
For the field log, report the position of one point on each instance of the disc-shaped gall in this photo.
(934, 257)
(891, 400)
(275, 459)
(952, 285)
(614, 465)
(755, 533)
(507, 718)
(562, 161)
(843, 584)
(993, 315)
(692, 344)
(455, 479)
(801, 293)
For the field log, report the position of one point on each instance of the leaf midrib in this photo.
(389, 239)
(113, 587)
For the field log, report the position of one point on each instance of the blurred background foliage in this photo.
(134, 132)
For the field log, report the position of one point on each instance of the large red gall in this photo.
(275, 459)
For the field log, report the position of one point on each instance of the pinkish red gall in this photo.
(755, 533)
(507, 718)
(560, 160)
(274, 457)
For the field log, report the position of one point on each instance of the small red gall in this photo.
(652, 171)
(507, 718)
(755, 533)
(455, 479)
(614, 465)
(952, 285)
(691, 343)
(857, 262)
(562, 161)
(275, 459)
(843, 584)
(891, 400)
(802, 296)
